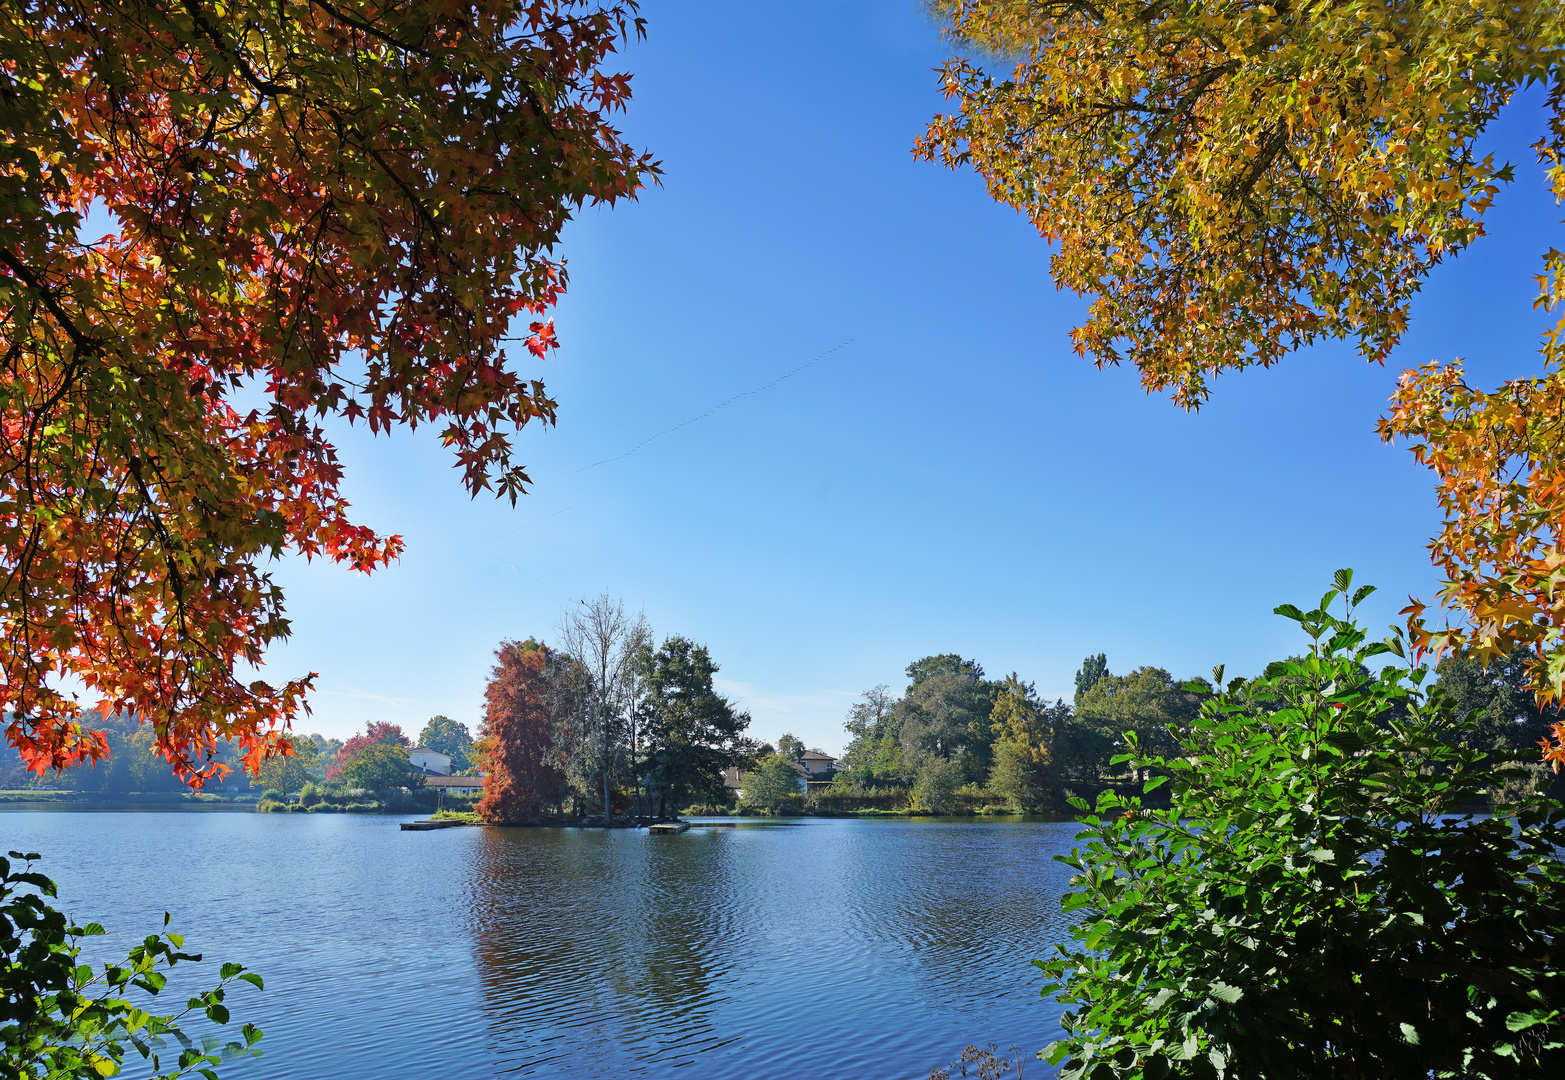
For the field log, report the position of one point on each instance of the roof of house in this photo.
(815, 755)
(427, 750)
(453, 781)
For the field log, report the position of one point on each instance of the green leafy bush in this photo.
(309, 795)
(773, 786)
(61, 1020)
(1315, 903)
(935, 790)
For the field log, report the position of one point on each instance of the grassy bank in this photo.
(119, 798)
(364, 803)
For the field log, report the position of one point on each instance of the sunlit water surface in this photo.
(824, 948)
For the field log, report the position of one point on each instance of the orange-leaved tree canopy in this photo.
(1231, 180)
(524, 769)
(337, 207)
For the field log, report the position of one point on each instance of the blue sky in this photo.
(950, 479)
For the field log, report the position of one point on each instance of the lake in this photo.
(766, 949)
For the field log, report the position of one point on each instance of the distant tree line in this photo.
(375, 760)
(953, 728)
(648, 720)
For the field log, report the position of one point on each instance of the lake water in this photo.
(823, 948)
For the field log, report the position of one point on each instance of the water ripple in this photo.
(831, 948)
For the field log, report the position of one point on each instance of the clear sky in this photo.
(950, 479)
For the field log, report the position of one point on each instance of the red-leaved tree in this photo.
(375, 733)
(523, 772)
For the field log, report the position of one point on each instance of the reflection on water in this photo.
(832, 948)
(590, 946)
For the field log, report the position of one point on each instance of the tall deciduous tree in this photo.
(612, 648)
(945, 714)
(381, 766)
(1025, 729)
(693, 733)
(375, 733)
(450, 738)
(344, 206)
(523, 769)
(289, 772)
(865, 724)
(1146, 702)
(1233, 179)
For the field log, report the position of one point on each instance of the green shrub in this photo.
(935, 790)
(466, 816)
(309, 795)
(64, 1021)
(884, 799)
(362, 807)
(1315, 903)
(773, 786)
(271, 794)
(321, 808)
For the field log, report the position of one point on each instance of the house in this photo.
(455, 785)
(733, 776)
(429, 762)
(815, 762)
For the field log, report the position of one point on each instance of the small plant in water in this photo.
(984, 1063)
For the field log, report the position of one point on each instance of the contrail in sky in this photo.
(714, 408)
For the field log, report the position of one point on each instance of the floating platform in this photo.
(669, 827)
(425, 826)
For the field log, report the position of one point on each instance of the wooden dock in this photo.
(425, 826)
(668, 827)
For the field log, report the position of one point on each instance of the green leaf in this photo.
(1521, 1021)
(1224, 992)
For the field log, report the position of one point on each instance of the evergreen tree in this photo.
(1092, 669)
(692, 732)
